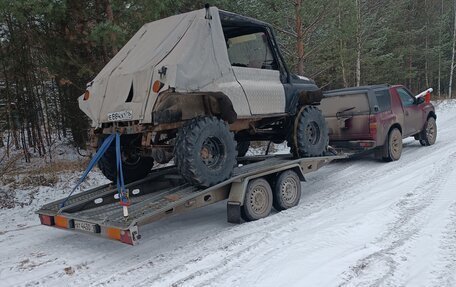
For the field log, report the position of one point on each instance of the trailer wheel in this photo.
(258, 200)
(310, 133)
(394, 145)
(205, 151)
(287, 190)
(429, 133)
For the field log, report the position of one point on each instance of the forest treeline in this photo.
(50, 49)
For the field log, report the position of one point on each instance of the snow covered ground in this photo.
(360, 222)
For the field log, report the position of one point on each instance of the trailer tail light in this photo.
(373, 126)
(47, 220)
(61, 221)
(123, 236)
(113, 233)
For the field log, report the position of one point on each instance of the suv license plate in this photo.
(85, 226)
(120, 116)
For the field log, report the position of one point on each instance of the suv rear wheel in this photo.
(394, 145)
(205, 151)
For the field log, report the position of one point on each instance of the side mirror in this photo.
(419, 101)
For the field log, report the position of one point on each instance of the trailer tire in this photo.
(310, 133)
(287, 190)
(393, 146)
(134, 170)
(429, 134)
(257, 201)
(205, 151)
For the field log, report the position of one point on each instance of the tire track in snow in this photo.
(326, 199)
(445, 271)
(408, 224)
(279, 229)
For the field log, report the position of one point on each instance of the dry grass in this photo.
(54, 167)
(39, 173)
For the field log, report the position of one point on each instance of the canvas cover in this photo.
(191, 47)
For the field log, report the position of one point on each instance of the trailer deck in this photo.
(164, 193)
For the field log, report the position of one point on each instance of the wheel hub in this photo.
(312, 132)
(258, 200)
(212, 152)
(289, 190)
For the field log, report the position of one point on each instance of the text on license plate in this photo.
(85, 226)
(120, 116)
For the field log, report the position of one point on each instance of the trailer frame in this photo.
(164, 193)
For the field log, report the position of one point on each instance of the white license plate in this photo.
(85, 226)
(120, 116)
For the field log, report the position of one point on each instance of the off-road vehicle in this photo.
(378, 118)
(198, 87)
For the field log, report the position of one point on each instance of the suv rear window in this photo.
(383, 100)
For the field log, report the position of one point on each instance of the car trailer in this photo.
(257, 184)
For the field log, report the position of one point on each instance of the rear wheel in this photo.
(287, 190)
(134, 166)
(310, 133)
(258, 200)
(429, 134)
(394, 145)
(205, 151)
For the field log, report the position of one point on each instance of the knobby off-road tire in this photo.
(205, 151)
(257, 201)
(310, 133)
(429, 134)
(287, 190)
(393, 145)
(133, 169)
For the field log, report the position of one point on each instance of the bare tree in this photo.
(450, 85)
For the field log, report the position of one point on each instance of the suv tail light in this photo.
(373, 126)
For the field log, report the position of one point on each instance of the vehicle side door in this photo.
(257, 71)
(412, 113)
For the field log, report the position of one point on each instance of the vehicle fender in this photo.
(172, 107)
(301, 96)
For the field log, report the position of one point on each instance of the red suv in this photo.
(378, 117)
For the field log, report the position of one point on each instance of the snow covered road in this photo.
(360, 222)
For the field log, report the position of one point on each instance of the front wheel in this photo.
(429, 134)
(394, 145)
(205, 151)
